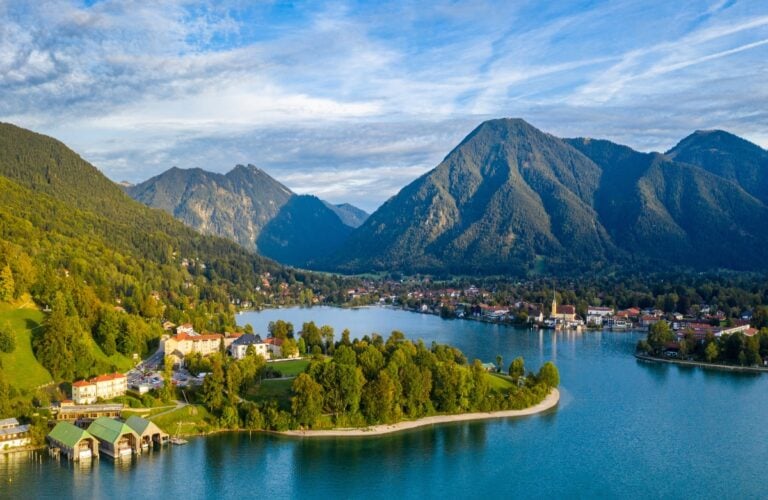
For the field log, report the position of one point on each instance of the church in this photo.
(563, 313)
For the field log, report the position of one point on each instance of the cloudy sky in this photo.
(353, 100)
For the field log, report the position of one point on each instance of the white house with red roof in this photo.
(85, 392)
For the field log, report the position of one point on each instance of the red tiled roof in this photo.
(272, 340)
(107, 377)
(199, 338)
(566, 309)
(81, 383)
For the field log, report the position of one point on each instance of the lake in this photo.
(623, 429)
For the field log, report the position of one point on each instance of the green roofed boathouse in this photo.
(116, 439)
(76, 443)
(148, 431)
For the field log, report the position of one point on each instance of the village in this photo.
(91, 425)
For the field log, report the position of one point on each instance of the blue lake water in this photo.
(622, 429)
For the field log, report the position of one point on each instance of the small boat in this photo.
(176, 439)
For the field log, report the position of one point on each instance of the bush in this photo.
(7, 339)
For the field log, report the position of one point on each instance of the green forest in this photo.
(365, 382)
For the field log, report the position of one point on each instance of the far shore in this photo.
(377, 430)
(702, 364)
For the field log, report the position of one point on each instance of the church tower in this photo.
(554, 305)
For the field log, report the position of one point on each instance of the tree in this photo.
(280, 329)
(289, 348)
(213, 386)
(549, 375)
(380, 399)
(302, 347)
(345, 356)
(326, 332)
(7, 285)
(229, 417)
(307, 400)
(7, 338)
(517, 367)
(659, 334)
(499, 362)
(167, 392)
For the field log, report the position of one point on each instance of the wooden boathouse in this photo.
(116, 439)
(76, 443)
(149, 432)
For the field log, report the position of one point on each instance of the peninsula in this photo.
(551, 401)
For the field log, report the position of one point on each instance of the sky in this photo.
(351, 101)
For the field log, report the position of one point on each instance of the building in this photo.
(186, 328)
(108, 386)
(83, 415)
(13, 435)
(239, 347)
(596, 316)
(115, 438)
(564, 313)
(76, 443)
(147, 431)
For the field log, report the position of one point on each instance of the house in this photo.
(239, 347)
(76, 443)
(186, 328)
(183, 344)
(115, 438)
(147, 431)
(13, 435)
(596, 316)
(275, 347)
(108, 386)
(67, 411)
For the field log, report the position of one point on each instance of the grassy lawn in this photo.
(500, 382)
(145, 412)
(291, 367)
(270, 389)
(122, 363)
(192, 419)
(20, 367)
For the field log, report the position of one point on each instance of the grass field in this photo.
(500, 382)
(192, 419)
(20, 367)
(271, 389)
(291, 367)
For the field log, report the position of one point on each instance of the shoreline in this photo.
(703, 364)
(549, 402)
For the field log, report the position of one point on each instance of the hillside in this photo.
(248, 206)
(513, 199)
(109, 265)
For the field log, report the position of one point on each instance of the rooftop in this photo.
(109, 429)
(68, 434)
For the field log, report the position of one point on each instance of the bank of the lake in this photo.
(622, 429)
(377, 430)
(702, 364)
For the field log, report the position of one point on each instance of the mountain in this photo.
(727, 156)
(250, 207)
(350, 215)
(513, 199)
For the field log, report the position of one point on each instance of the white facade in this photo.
(101, 387)
(13, 435)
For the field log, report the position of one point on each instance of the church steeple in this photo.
(554, 303)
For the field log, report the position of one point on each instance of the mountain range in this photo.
(511, 199)
(248, 206)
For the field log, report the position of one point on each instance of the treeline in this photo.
(733, 349)
(733, 293)
(373, 381)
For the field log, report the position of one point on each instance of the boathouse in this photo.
(148, 431)
(116, 439)
(76, 443)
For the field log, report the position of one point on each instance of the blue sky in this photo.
(353, 100)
